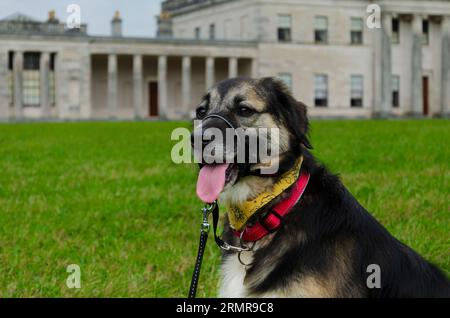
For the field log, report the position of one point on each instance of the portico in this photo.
(115, 80)
(422, 46)
(177, 81)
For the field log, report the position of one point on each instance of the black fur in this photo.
(333, 221)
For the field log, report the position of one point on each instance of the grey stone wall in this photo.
(4, 89)
(446, 66)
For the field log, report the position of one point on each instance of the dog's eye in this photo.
(201, 112)
(245, 111)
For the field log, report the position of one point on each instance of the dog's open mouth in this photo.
(213, 178)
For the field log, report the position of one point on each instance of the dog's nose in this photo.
(212, 122)
(197, 134)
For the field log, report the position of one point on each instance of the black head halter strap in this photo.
(220, 117)
(228, 122)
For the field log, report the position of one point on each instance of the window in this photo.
(286, 78)
(425, 32)
(356, 30)
(227, 29)
(395, 82)
(395, 30)
(31, 80)
(212, 31)
(321, 30)
(244, 27)
(52, 85)
(284, 28)
(10, 78)
(321, 90)
(356, 91)
(197, 33)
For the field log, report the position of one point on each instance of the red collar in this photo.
(273, 219)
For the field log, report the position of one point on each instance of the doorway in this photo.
(426, 105)
(153, 99)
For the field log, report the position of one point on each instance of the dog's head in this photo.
(251, 116)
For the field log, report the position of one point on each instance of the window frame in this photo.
(357, 101)
(284, 33)
(357, 31)
(31, 82)
(321, 102)
(244, 26)
(395, 91)
(212, 31)
(197, 33)
(318, 33)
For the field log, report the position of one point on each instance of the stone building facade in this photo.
(324, 50)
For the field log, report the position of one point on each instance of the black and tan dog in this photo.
(327, 243)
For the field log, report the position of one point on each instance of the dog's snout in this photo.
(215, 122)
(198, 135)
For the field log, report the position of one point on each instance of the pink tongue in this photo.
(211, 180)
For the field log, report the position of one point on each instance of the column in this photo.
(137, 87)
(86, 86)
(17, 70)
(232, 67)
(162, 86)
(416, 67)
(445, 91)
(405, 46)
(44, 69)
(386, 66)
(112, 85)
(4, 85)
(186, 83)
(382, 67)
(435, 46)
(209, 72)
(59, 80)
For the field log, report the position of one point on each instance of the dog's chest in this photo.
(233, 272)
(233, 275)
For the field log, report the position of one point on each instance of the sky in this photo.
(138, 16)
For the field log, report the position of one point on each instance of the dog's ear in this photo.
(301, 115)
(284, 105)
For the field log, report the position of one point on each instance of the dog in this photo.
(326, 244)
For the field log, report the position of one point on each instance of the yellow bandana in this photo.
(240, 214)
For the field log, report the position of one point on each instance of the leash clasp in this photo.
(206, 212)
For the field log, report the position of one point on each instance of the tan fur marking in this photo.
(245, 189)
(254, 99)
(214, 102)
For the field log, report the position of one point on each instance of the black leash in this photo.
(213, 209)
(204, 231)
(198, 263)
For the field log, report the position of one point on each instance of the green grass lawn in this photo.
(107, 196)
